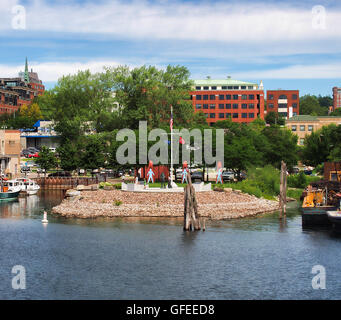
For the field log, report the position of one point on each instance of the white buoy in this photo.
(45, 218)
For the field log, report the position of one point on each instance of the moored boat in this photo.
(28, 186)
(315, 207)
(9, 189)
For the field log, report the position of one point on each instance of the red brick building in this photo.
(228, 99)
(336, 98)
(284, 102)
(15, 92)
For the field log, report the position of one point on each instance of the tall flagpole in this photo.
(172, 145)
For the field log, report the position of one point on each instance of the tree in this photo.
(274, 118)
(46, 159)
(93, 155)
(336, 113)
(310, 105)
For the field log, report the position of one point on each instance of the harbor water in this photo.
(150, 258)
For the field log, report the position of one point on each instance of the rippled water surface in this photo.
(256, 258)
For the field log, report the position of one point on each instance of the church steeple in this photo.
(26, 74)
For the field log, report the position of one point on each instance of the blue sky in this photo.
(287, 44)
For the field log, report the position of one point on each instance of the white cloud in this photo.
(219, 21)
(321, 71)
(52, 71)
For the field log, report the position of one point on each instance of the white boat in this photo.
(28, 186)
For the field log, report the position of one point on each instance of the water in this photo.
(256, 258)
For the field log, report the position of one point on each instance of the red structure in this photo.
(336, 98)
(284, 102)
(156, 169)
(15, 92)
(228, 99)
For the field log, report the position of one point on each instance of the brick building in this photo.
(15, 92)
(304, 125)
(336, 98)
(228, 99)
(284, 102)
(10, 152)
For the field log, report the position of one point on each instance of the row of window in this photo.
(281, 105)
(230, 115)
(302, 127)
(225, 106)
(283, 96)
(224, 88)
(225, 97)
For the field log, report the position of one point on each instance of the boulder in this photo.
(218, 189)
(227, 189)
(72, 193)
(80, 187)
(94, 187)
(108, 187)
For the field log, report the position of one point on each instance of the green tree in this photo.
(274, 118)
(310, 105)
(46, 160)
(336, 113)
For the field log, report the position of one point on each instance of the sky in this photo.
(286, 44)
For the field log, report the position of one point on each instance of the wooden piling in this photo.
(283, 190)
(191, 215)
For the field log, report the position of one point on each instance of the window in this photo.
(228, 97)
(228, 115)
(235, 97)
(294, 105)
(212, 115)
(205, 88)
(294, 97)
(244, 106)
(213, 88)
(271, 96)
(212, 97)
(229, 87)
(235, 106)
(271, 106)
(302, 127)
(198, 106)
(212, 106)
(205, 106)
(221, 115)
(282, 105)
(224, 87)
(221, 97)
(250, 87)
(221, 106)
(244, 115)
(198, 97)
(197, 88)
(310, 128)
(243, 87)
(282, 96)
(293, 128)
(301, 142)
(244, 96)
(235, 115)
(251, 96)
(206, 115)
(228, 105)
(235, 87)
(205, 96)
(251, 115)
(251, 106)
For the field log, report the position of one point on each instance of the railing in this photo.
(66, 183)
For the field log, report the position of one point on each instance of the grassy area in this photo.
(295, 193)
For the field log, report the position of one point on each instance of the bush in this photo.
(118, 186)
(252, 190)
(117, 203)
(301, 180)
(104, 184)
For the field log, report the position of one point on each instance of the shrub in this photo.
(117, 203)
(118, 185)
(104, 184)
(252, 190)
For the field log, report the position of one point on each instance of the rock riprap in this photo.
(116, 203)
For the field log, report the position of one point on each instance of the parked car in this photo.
(33, 155)
(197, 176)
(60, 174)
(241, 177)
(228, 176)
(25, 169)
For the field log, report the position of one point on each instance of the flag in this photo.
(171, 121)
(182, 140)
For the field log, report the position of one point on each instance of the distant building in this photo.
(336, 98)
(284, 102)
(10, 152)
(304, 125)
(228, 99)
(42, 134)
(15, 92)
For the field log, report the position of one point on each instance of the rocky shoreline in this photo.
(116, 203)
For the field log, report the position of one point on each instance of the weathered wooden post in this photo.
(283, 190)
(191, 215)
